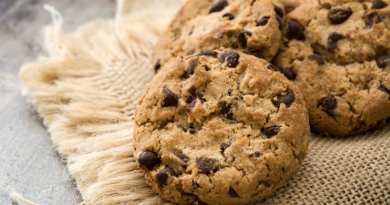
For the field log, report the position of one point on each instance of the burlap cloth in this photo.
(86, 91)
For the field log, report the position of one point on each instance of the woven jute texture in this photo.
(86, 91)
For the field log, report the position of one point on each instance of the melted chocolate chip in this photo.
(163, 175)
(279, 11)
(195, 185)
(225, 110)
(242, 38)
(273, 67)
(294, 31)
(192, 131)
(170, 98)
(182, 157)
(378, 4)
(184, 129)
(232, 193)
(369, 24)
(205, 164)
(382, 60)
(229, 16)
(255, 154)
(287, 99)
(148, 159)
(200, 96)
(191, 105)
(338, 16)
(383, 89)
(271, 131)
(289, 73)
(328, 103)
(262, 22)
(332, 40)
(231, 57)
(264, 183)
(256, 53)
(225, 146)
(157, 66)
(219, 6)
(208, 53)
(201, 202)
(317, 57)
(280, 22)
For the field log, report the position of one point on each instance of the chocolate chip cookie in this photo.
(341, 62)
(220, 127)
(251, 26)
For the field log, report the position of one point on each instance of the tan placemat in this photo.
(86, 92)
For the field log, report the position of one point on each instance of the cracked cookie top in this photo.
(220, 127)
(251, 26)
(340, 61)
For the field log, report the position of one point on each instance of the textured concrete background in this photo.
(29, 163)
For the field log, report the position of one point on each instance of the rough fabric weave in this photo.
(86, 91)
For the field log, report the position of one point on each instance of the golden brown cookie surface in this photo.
(220, 127)
(251, 26)
(340, 62)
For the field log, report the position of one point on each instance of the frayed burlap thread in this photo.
(86, 91)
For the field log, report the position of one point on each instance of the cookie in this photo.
(251, 26)
(340, 62)
(220, 127)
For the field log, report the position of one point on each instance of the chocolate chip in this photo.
(191, 53)
(328, 103)
(256, 53)
(225, 110)
(148, 159)
(287, 99)
(279, 11)
(262, 22)
(383, 89)
(191, 71)
(225, 146)
(271, 131)
(170, 98)
(190, 33)
(219, 6)
(231, 57)
(264, 183)
(200, 96)
(332, 40)
(369, 24)
(157, 66)
(230, 16)
(241, 38)
(208, 53)
(382, 60)
(184, 129)
(206, 68)
(232, 193)
(378, 4)
(205, 164)
(280, 22)
(379, 19)
(191, 105)
(182, 157)
(317, 57)
(201, 202)
(195, 185)
(338, 16)
(289, 73)
(192, 131)
(163, 175)
(273, 67)
(257, 154)
(294, 31)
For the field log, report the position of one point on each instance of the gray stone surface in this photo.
(29, 163)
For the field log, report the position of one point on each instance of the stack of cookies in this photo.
(240, 84)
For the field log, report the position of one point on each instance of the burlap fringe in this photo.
(86, 92)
